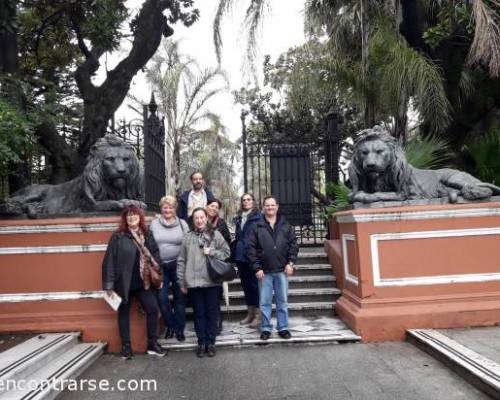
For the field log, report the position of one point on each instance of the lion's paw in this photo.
(128, 202)
(474, 192)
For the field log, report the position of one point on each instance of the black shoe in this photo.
(154, 349)
(285, 334)
(211, 350)
(180, 337)
(265, 335)
(200, 351)
(169, 333)
(127, 352)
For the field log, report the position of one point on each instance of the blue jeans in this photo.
(176, 318)
(206, 306)
(249, 284)
(277, 282)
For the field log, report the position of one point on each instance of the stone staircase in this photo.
(311, 290)
(55, 358)
(311, 303)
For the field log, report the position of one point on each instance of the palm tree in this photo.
(381, 50)
(212, 152)
(184, 92)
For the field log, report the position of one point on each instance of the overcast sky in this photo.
(282, 28)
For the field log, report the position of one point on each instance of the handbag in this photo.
(151, 268)
(220, 271)
(155, 275)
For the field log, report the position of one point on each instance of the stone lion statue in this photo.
(379, 172)
(110, 181)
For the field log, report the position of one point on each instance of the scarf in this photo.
(244, 217)
(139, 241)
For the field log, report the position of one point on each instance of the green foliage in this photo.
(102, 22)
(340, 193)
(485, 151)
(428, 152)
(435, 34)
(16, 134)
(302, 80)
(446, 18)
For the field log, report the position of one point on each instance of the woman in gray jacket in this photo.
(193, 278)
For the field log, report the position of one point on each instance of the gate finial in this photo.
(152, 104)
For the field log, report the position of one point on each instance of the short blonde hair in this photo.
(170, 200)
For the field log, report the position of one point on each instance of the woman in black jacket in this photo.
(217, 223)
(123, 272)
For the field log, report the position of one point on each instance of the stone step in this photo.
(313, 269)
(320, 330)
(309, 295)
(478, 370)
(319, 308)
(24, 359)
(68, 365)
(312, 258)
(297, 282)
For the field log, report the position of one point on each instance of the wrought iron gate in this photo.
(148, 138)
(295, 175)
(154, 157)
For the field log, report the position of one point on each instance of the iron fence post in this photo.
(244, 144)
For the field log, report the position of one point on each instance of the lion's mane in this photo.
(95, 185)
(397, 177)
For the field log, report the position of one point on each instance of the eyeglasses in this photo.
(247, 199)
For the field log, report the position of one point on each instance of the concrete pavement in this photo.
(386, 371)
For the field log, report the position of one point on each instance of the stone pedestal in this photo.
(417, 267)
(50, 280)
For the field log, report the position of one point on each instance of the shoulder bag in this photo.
(220, 271)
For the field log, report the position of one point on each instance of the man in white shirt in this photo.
(198, 196)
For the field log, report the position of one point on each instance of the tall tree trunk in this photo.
(413, 23)
(177, 167)
(9, 54)
(401, 119)
(369, 112)
(101, 102)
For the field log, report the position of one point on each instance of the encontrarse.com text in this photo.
(80, 385)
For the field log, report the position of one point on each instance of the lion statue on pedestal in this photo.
(110, 181)
(379, 172)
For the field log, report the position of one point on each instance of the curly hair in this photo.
(123, 226)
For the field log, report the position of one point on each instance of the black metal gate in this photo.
(295, 175)
(154, 157)
(148, 138)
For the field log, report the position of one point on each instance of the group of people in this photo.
(179, 239)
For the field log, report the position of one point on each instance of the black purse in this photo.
(220, 271)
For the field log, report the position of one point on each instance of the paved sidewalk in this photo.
(388, 371)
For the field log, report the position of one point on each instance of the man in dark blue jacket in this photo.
(194, 198)
(272, 252)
